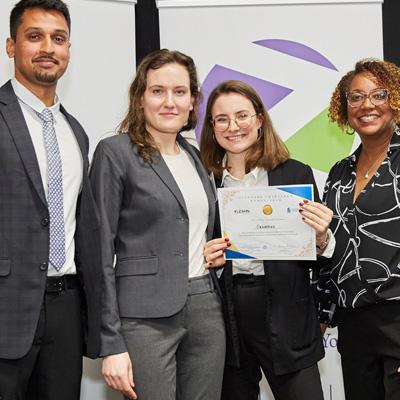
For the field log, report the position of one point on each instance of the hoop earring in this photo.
(349, 131)
(259, 134)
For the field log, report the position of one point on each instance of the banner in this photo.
(293, 53)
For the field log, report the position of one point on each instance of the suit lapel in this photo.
(161, 169)
(205, 180)
(18, 129)
(77, 130)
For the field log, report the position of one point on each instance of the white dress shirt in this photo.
(71, 159)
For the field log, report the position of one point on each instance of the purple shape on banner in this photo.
(298, 50)
(271, 93)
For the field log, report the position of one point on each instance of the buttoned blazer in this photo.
(291, 319)
(24, 235)
(144, 222)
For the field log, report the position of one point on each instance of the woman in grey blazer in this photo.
(163, 335)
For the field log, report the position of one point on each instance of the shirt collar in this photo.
(253, 173)
(28, 98)
(395, 142)
(394, 145)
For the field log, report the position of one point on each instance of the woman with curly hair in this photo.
(361, 288)
(163, 334)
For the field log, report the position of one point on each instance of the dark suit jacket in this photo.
(24, 235)
(144, 222)
(296, 340)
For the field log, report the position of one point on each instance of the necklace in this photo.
(378, 159)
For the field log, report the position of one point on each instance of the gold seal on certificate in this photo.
(264, 223)
(267, 209)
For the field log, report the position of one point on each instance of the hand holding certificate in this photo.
(264, 223)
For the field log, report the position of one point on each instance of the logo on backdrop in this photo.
(301, 143)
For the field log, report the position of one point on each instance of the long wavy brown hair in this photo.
(267, 152)
(386, 73)
(134, 123)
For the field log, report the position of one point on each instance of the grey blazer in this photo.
(144, 222)
(24, 235)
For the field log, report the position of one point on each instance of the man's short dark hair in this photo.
(19, 9)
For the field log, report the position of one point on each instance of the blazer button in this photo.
(43, 266)
(45, 222)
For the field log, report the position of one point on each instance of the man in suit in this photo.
(50, 285)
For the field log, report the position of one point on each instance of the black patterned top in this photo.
(365, 267)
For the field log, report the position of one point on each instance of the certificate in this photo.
(264, 223)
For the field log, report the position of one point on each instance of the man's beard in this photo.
(46, 77)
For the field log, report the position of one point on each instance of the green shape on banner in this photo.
(320, 143)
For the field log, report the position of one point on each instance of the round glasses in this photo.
(377, 97)
(242, 120)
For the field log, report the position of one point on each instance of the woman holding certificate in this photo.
(270, 314)
(363, 283)
(163, 333)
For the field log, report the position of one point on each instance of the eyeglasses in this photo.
(377, 97)
(242, 120)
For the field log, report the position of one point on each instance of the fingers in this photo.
(316, 211)
(130, 376)
(316, 215)
(323, 328)
(213, 244)
(214, 252)
(215, 248)
(128, 389)
(117, 372)
(122, 384)
(214, 259)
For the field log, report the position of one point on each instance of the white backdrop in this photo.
(307, 45)
(94, 89)
(95, 86)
